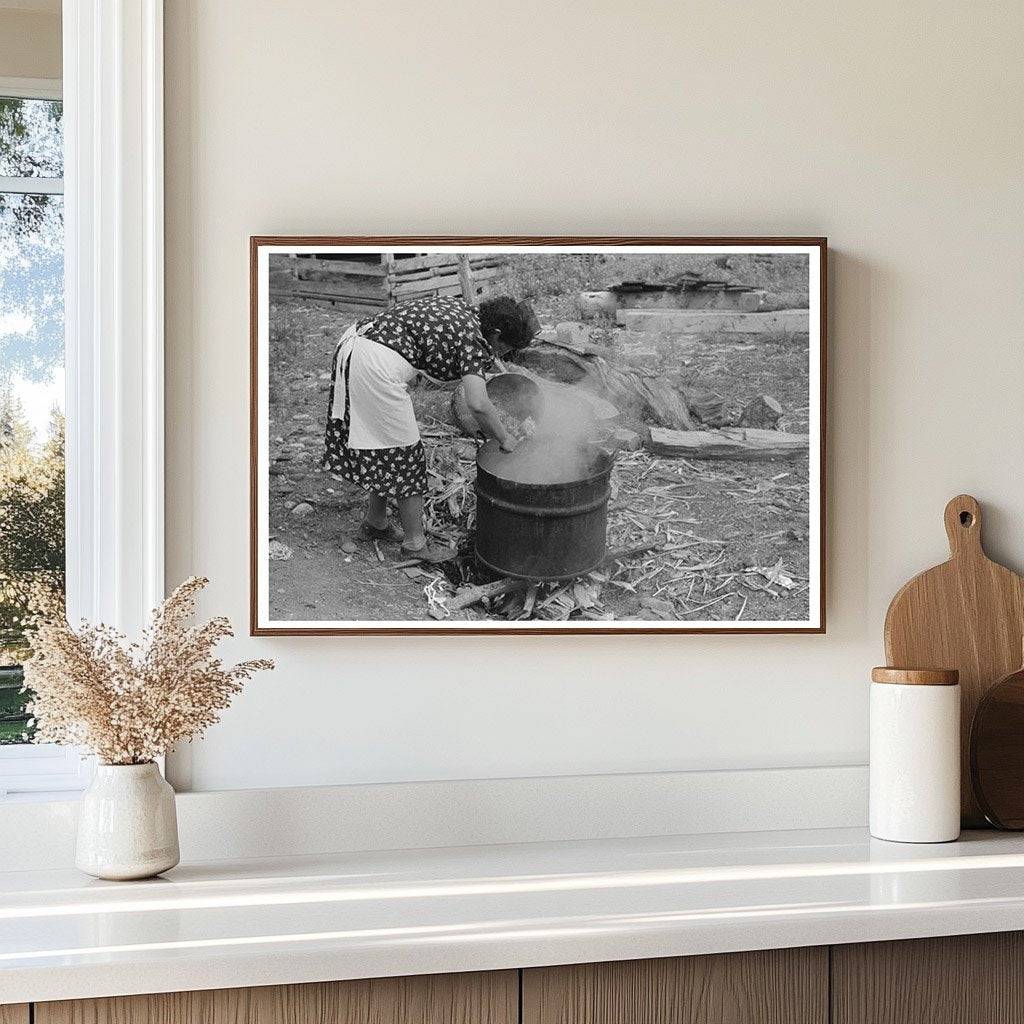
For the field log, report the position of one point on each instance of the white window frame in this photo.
(31, 89)
(114, 323)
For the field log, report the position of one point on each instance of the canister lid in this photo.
(916, 676)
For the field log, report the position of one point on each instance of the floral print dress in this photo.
(441, 338)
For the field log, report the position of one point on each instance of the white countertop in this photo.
(262, 922)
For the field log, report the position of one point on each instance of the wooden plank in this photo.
(448, 289)
(714, 321)
(748, 445)
(368, 288)
(487, 270)
(445, 274)
(442, 285)
(309, 288)
(359, 300)
(960, 979)
(480, 998)
(403, 287)
(424, 275)
(14, 1013)
(779, 986)
(387, 260)
(404, 265)
(344, 305)
(466, 281)
(342, 267)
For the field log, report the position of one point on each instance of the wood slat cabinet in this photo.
(775, 986)
(962, 979)
(970, 979)
(481, 998)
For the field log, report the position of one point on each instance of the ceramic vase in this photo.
(127, 825)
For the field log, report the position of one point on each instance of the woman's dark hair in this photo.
(516, 321)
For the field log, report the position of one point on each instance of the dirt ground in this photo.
(733, 535)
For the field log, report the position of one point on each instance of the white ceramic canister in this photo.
(127, 824)
(915, 755)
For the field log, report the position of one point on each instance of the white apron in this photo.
(381, 414)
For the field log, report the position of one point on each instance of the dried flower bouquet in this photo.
(129, 703)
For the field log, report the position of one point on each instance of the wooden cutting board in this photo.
(967, 614)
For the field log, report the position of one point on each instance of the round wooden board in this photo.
(997, 753)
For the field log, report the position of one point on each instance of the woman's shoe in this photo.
(389, 533)
(430, 553)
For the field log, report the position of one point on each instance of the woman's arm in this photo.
(481, 406)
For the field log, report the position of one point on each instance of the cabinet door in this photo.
(962, 979)
(483, 998)
(14, 1013)
(778, 986)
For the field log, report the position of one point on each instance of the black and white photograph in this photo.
(519, 435)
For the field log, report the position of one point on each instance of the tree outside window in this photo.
(31, 386)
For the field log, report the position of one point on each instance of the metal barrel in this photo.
(542, 532)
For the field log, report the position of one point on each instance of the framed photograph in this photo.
(537, 435)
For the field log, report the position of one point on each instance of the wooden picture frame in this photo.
(261, 247)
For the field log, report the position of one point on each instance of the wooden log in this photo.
(710, 409)
(713, 321)
(473, 595)
(650, 397)
(763, 411)
(730, 444)
(765, 302)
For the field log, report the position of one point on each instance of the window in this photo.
(32, 549)
(99, 161)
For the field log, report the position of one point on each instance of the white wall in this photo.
(895, 129)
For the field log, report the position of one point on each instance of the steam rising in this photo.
(558, 452)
